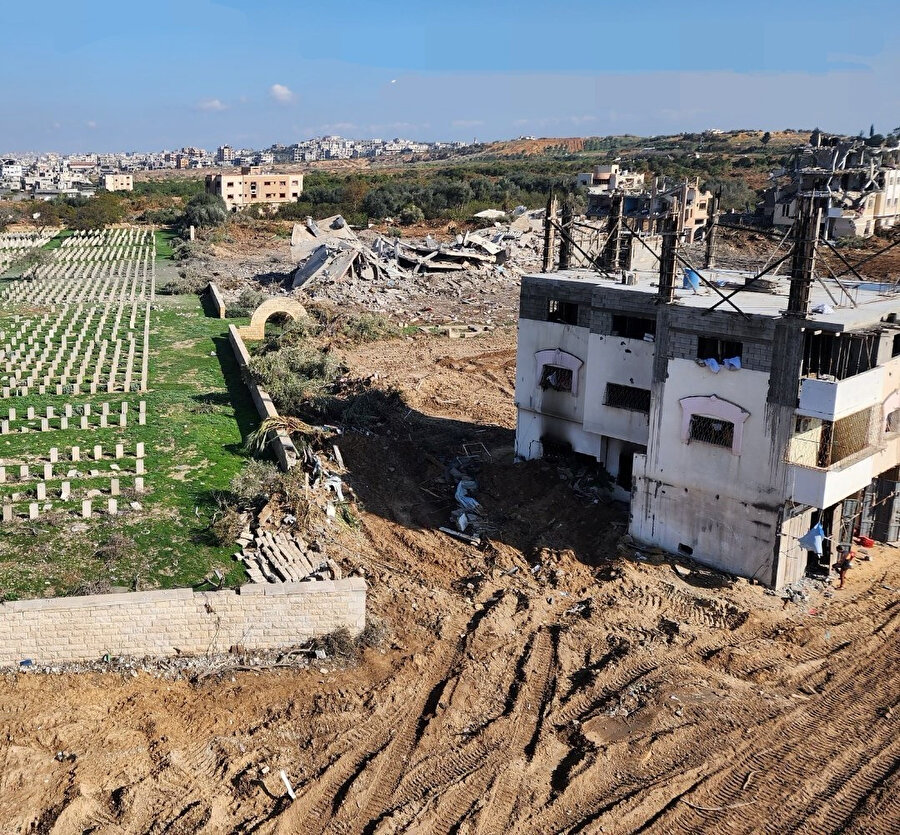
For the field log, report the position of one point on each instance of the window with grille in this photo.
(712, 431)
(555, 378)
(627, 397)
(564, 312)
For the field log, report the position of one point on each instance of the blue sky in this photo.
(103, 75)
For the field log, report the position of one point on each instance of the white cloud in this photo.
(281, 93)
(90, 124)
(213, 105)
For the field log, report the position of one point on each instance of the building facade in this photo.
(730, 433)
(118, 182)
(251, 185)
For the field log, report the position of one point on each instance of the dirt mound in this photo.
(553, 680)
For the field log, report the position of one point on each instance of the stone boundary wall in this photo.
(178, 621)
(218, 301)
(283, 447)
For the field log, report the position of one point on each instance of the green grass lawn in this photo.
(164, 251)
(198, 413)
(56, 241)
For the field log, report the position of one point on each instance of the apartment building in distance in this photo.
(117, 182)
(252, 185)
(730, 430)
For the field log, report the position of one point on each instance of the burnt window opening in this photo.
(838, 356)
(633, 327)
(556, 379)
(713, 348)
(892, 422)
(627, 397)
(563, 312)
(712, 431)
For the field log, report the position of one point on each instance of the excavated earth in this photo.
(552, 681)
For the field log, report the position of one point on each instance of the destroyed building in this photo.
(733, 414)
(646, 210)
(860, 181)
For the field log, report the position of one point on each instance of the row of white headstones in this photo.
(92, 334)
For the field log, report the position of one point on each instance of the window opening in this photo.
(627, 397)
(712, 431)
(633, 327)
(556, 378)
(711, 347)
(564, 312)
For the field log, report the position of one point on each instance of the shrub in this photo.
(369, 327)
(185, 284)
(255, 483)
(226, 525)
(247, 302)
(294, 375)
(411, 214)
(205, 210)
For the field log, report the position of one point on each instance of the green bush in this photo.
(411, 214)
(255, 483)
(294, 376)
(205, 210)
(369, 327)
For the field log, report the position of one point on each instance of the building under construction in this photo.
(734, 410)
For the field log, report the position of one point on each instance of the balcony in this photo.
(822, 487)
(835, 399)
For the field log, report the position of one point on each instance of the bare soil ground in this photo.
(549, 682)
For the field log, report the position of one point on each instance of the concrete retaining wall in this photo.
(178, 621)
(216, 299)
(283, 447)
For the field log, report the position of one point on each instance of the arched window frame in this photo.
(714, 407)
(561, 359)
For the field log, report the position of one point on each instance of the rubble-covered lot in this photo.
(552, 679)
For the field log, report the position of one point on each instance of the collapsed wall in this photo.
(178, 621)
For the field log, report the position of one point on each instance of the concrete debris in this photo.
(412, 278)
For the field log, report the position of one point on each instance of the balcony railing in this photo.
(834, 399)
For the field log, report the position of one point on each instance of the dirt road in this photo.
(549, 683)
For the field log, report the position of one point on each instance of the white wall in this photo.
(725, 507)
(559, 413)
(629, 362)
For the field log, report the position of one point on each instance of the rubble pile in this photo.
(272, 547)
(411, 278)
(469, 519)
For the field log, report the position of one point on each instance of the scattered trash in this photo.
(287, 785)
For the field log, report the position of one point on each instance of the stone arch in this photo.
(257, 327)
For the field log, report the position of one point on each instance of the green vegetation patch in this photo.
(198, 414)
(164, 250)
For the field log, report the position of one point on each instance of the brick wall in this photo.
(166, 623)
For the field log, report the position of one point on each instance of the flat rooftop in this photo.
(858, 304)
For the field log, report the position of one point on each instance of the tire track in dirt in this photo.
(810, 736)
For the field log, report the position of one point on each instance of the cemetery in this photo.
(122, 417)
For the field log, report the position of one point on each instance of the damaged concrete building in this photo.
(861, 181)
(647, 209)
(731, 429)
